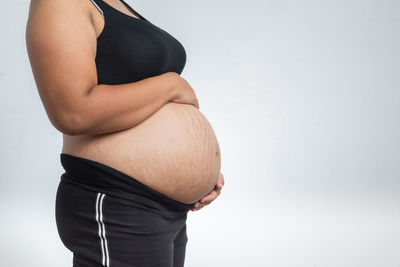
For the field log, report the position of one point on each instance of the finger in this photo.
(222, 180)
(205, 202)
(197, 206)
(216, 189)
(210, 197)
(218, 186)
(205, 197)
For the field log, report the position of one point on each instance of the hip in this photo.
(116, 221)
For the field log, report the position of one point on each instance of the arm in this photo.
(109, 108)
(61, 44)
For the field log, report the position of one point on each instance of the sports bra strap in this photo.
(104, 7)
(97, 5)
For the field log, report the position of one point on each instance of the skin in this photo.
(78, 50)
(206, 200)
(211, 196)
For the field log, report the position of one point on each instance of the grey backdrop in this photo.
(304, 99)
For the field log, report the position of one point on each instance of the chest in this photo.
(130, 49)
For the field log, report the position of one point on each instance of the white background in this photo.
(304, 99)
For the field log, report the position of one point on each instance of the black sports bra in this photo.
(130, 49)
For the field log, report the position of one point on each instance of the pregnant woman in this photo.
(137, 152)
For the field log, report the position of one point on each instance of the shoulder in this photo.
(58, 11)
(52, 20)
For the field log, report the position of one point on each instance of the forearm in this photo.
(109, 108)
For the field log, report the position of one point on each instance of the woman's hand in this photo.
(184, 92)
(211, 196)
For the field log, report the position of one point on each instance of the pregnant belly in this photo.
(174, 151)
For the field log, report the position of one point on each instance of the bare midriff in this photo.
(174, 151)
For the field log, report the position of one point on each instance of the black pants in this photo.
(107, 218)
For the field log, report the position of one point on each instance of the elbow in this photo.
(70, 124)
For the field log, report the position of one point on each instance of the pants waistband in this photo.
(94, 173)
